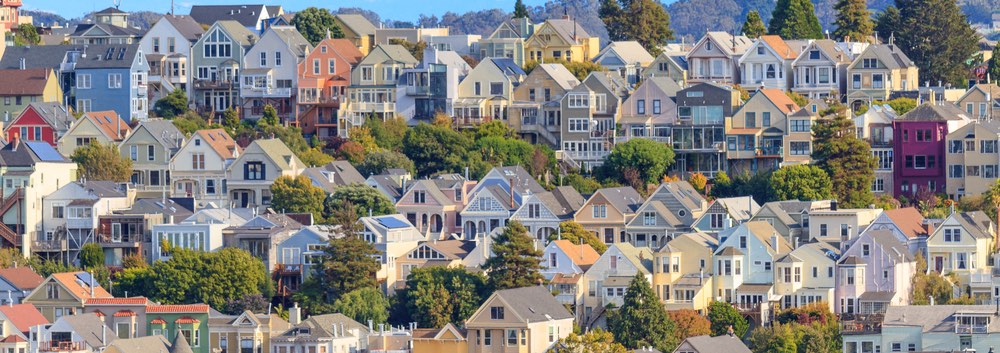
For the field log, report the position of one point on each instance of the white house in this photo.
(69, 215)
(201, 231)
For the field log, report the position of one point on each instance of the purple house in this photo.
(919, 147)
(873, 273)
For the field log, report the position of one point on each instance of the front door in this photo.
(938, 264)
(241, 198)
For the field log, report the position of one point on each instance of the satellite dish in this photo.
(118, 3)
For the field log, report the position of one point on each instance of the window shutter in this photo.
(246, 171)
(263, 171)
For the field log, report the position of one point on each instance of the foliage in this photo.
(642, 320)
(515, 262)
(579, 69)
(945, 57)
(388, 134)
(48, 267)
(91, 255)
(799, 99)
(757, 185)
(846, 159)
(754, 27)
(98, 161)
(520, 11)
(11, 257)
(363, 136)
(576, 234)
(810, 328)
(190, 121)
(698, 181)
(314, 157)
(583, 185)
(415, 49)
(134, 260)
(887, 22)
(795, 19)
(933, 284)
(26, 34)
(644, 21)
(256, 303)
(594, 341)
(172, 105)
(364, 304)
(901, 105)
(495, 128)
(648, 157)
(378, 162)
(689, 323)
(314, 23)
(775, 339)
(297, 195)
(351, 151)
(363, 198)
(801, 182)
(435, 296)
(886, 202)
(722, 315)
(438, 149)
(993, 66)
(347, 264)
(853, 20)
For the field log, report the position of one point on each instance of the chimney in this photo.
(22, 64)
(833, 205)
(104, 334)
(295, 314)
(774, 241)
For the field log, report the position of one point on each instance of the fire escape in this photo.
(11, 237)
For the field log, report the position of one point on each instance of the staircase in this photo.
(8, 202)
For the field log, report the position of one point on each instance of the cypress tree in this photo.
(610, 13)
(515, 263)
(753, 27)
(795, 19)
(937, 37)
(642, 320)
(520, 11)
(887, 22)
(853, 20)
(845, 157)
(994, 65)
(644, 21)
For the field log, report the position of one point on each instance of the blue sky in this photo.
(403, 10)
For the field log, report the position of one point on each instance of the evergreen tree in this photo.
(611, 14)
(722, 315)
(520, 11)
(642, 320)
(935, 35)
(887, 22)
(315, 23)
(795, 19)
(853, 20)
(516, 262)
(754, 27)
(845, 158)
(994, 65)
(644, 21)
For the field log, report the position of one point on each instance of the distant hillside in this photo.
(42, 18)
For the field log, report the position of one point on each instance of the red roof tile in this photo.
(99, 313)
(82, 291)
(118, 301)
(23, 316)
(13, 339)
(186, 320)
(125, 313)
(189, 308)
(158, 321)
(22, 277)
(909, 220)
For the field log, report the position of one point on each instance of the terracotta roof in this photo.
(221, 142)
(780, 99)
(23, 316)
(22, 277)
(28, 82)
(99, 313)
(909, 220)
(582, 255)
(13, 339)
(108, 121)
(124, 313)
(345, 48)
(186, 320)
(118, 301)
(158, 321)
(82, 291)
(778, 45)
(187, 308)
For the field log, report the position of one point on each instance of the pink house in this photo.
(433, 205)
(919, 147)
(873, 273)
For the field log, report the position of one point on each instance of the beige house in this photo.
(485, 93)
(64, 294)
(561, 39)
(835, 225)
(105, 127)
(877, 72)
(607, 279)
(373, 86)
(527, 319)
(803, 276)
(756, 134)
(358, 30)
(797, 147)
(682, 272)
(627, 58)
(971, 158)
(535, 110)
(433, 205)
(250, 177)
(198, 169)
(962, 244)
(669, 64)
(650, 110)
(228, 333)
(150, 147)
(607, 211)
(715, 58)
(768, 63)
(820, 70)
(981, 101)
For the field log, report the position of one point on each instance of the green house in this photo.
(188, 320)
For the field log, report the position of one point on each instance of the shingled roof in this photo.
(27, 82)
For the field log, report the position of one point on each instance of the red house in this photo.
(40, 121)
(9, 13)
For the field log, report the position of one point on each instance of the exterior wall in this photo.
(805, 66)
(610, 229)
(906, 179)
(32, 121)
(856, 220)
(593, 285)
(761, 59)
(145, 165)
(203, 237)
(763, 150)
(184, 174)
(708, 63)
(83, 129)
(36, 188)
(171, 329)
(977, 104)
(129, 101)
(271, 45)
(364, 42)
(12, 106)
(52, 309)
(260, 190)
(944, 256)
(166, 33)
(320, 95)
(977, 169)
(546, 50)
(866, 92)
(207, 93)
(642, 104)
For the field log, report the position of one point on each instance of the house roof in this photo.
(507, 66)
(741, 208)
(569, 29)
(184, 308)
(629, 51)
(280, 154)
(22, 277)
(890, 55)
(908, 220)
(833, 51)
(936, 318)
(897, 250)
(27, 82)
(108, 56)
(779, 46)
(72, 284)
(291, 37)
(334, 174)
(357, 24)
(186, 25)
(169, 209)
(322, 324)
(164, 131)
(220, 141)
(563, 201)
(91, 328)
(238, 32)
(533, 304)
(146, 344)
(245, 15)
(780, 99)
(23, 316)
(723, 343)
(623, 198)
(935, 112)
(560, 74)
(665, 84)
(345, 48)
(398, 53)
(976, 223)
(454, 249)
(108, 121)
(641, 257)
(729, 44)
(54, 113)
(36, 56)
(767, 235)
(143, 301)
(582, 255)
(29, 153)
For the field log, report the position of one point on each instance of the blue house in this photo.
(111, 77)
(296, 255)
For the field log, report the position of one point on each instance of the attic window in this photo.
(760, 50)
(814, 54)
(496, 313)
(197, 142)
(708, 46)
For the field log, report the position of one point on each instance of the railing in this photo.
(267, 92)
(586, 155)
(288, 269)
(319, 100)
(470, 121)
(689, 145)
(280, 109)
(971, 328)
(49, 245)
(880, 143)
(120, 238)
(417, 90)
(860, 324)
(601, 133)
(216, 84)
(80, 223)
(60, 346)
(747, 307)
(769, 151)
(366, 107)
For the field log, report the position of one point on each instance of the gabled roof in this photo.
(27, 82)
(641, 257)
(908, 220)
(729, 44)
(345, 48)
(37, 56)
(897, 250)
(220, 141)
(139, 301)
(293, 39)
(186, 25)
(245, 15)
(22, 277)
(935, 112)
(108, 56)
(630, 52)
(72, 283)
(976, 223)
(764, 232)
(623, 198)
(666, 84)
(91, 328)
(582, 255)
(334, 174)
(830, 49)
(28, 153)
(565, 79)
(568, 29)
(164, 131)
(779, 99)
(109, 123)
(279, 153)
(741, 208)
(147, 344)
(237, 32)
(724, 343)
(23, 316)
(563, 201)
(106, 30)
(989, 89)
(357, 24)
(779, 46)
(889, 54)
(452, 249)
(507, 66)
(398, 53)
(533, 304)
(54, 113)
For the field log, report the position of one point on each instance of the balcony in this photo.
(418, 90)
(215, 84)
(61, 346)
(288, 269)
(266, 92)
(120, 240)
(747, 308)
(689, 145)
(974, 328)
(586, 155)
(470, 121)
(770, 152)
(283, 110)
(372, 107)
(322, 100)
(81, 223)
(599, 134)
(880, 143)
(50, 245)
(861, 324)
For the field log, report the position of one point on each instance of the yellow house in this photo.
(448, 339)
(18, 88)
(682, 272)
(521, 320)
(962, 244)
(562, 39)
(877, 72)
(358, 30)
(972, 158)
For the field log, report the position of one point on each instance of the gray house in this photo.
(216, 63)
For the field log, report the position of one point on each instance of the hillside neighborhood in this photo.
(247, 178)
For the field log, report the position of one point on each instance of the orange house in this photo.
(323, 79)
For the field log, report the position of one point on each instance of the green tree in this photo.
(91, 255)
(722, 315)
(269, 117)
(583, 185)
(415, 49)
(801, 182)
(887, 22)
(642, 320)
(172, 105)
(253, 302)
(133, 281)
(520, 11)
(901, 105)
(422, 300)
(495, 128)
(347, 264)
(795, 19)
(48, 267)
(505, 151)
(579, 69)
(576, 234)
(845, 158)
(775, 339)
(594, 341)
(644, 21)
(993, 66)
(98, 161)
(436, 149)
(364, 304)
(610, 12)
(649, 157)
(689, 323)
(388, 134)
(515, 263)
(297, 195)
(188, 277)
(379, 161)
(937, 37)
(754, 27)
(698, 181)
(26, 34)
(314, 157)
(363, 198)
(854, 21)
(799, 99)
(315, 24)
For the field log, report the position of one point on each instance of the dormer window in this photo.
(708, 46)
(419, 197)
(814, 54)
(496, 313)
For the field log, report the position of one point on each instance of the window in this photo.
(263, 59)
(600, 211)
(954, 146)
(799, 125)
(421, 197)
(83, 81)
(648, 219)
(751, 119)
(198, 161)
(656, 106)
(210, 186)
(253, 171)
(579, 125)
(217, 45)
(824, 75)
(716, 220)
(477, 89)
(366, 73)
(133, 152)
(865, 250)
(844, 231)
(878, 185)
(799, 148)
(496, 88)
(277, 58)
(988, 146)
(331, 66)
(579, 101)
(58, 211)
(151, 152)
(765, 119)
(156, 44)
(814, 54)
(869, 63)
(856, 82)
(511, 337)
(531, 94)
(877, 81)
(114, 80)
(822, 230)
(496, 313)
(743, 242)
(171, 44)
(640, 106)
(990, 171)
